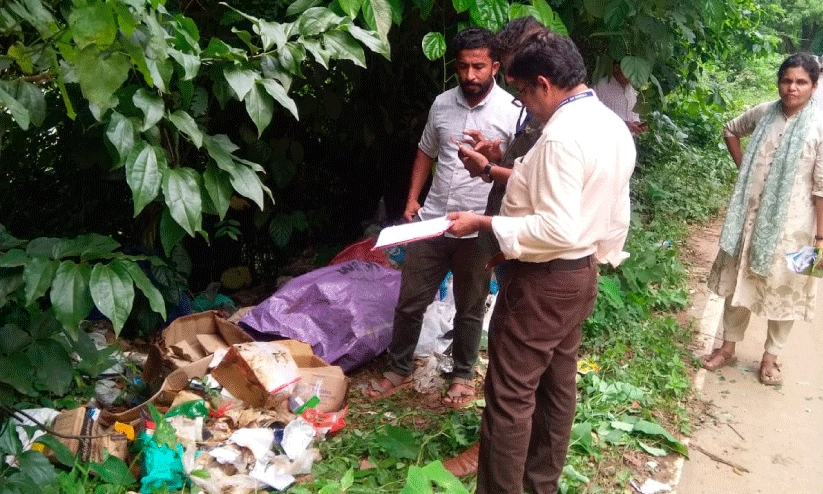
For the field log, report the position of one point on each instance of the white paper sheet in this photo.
(410, 232)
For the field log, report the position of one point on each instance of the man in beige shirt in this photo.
(566, 207)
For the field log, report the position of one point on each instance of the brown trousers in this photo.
(530, 384)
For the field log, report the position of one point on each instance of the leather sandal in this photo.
(460, 398)
(769, 377)
(725, 359)
(377, 391)
(465, 463)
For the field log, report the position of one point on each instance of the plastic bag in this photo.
(345, 312)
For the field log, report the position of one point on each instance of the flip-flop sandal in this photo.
(726, 360)
(397, 381)
(463, 398)
(769, 378)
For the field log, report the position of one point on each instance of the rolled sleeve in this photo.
(745, 124)
(505, 229)
(429, 141)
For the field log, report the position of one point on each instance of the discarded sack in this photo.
(344, 312)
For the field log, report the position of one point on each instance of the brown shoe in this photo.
(465, 463)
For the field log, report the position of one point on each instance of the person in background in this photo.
(498, 170)
(618, 94)
(776, 208)
(566, 207)
(477, 103)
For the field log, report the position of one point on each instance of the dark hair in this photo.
(553, 56)
(472, 38)
(803, 60)
(516, 32)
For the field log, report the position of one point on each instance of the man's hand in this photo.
(488, 148)
(637, 127)
(819, 245)
(412, 207)
(465, 223)
(472, 160)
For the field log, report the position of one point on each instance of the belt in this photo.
(561, 264)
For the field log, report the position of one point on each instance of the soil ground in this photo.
(752, 438)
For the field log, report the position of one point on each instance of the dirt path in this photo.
(756, 438)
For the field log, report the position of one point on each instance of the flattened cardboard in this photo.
(77, 422)
(191, 338)
(238, 378)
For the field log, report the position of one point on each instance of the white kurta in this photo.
(782, 295)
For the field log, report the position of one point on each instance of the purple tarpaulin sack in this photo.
(344, 312)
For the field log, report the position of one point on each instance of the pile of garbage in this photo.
(234, 415)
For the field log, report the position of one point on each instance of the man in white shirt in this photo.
(477, 103)
(618, 94)
(566, 207)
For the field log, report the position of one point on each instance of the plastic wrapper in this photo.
(297, 437)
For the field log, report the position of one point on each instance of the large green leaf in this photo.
(114, 471)
(491, 14)
(151, 105)
(271, 34)
(100, 75)
(53, 366)
(595, 8)
(300, 6)
(399, 443)
(370, 39)
(462, 5)
(218, 186)
(38, 275)
(181, 188)
(145, 168)
(416, 482)
(260, 107)
(434, 45)
(13, 259)
(70, 295)
(87, 245)
(120, 133)
(61, 452)
(18, 112)
(378, 15)
(518, 10)
(37, 467)
(549, 17)
(93, 24)
(9, 440)
(637, 70)
(144, 284)
(317, 20)
(161, 71)
(12, 338)
(240, 80)
(17, 372)
(43, 246)
(30, 97)
(290, 58)
(9, 283)
(189, 62)
(352, 7)
(615, 13)
(246, 182)
(345, 46)
(112, 291)
(186, 124)
(278, 92)
(443, 478)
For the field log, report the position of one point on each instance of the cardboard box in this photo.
(191, 338)
(175, 382)
(78, 422)
(328, 382)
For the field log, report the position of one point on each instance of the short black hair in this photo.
(516, 32)
(805, 61)
(554, 56)
(473, 38)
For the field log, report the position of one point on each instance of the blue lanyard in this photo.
(575, 97)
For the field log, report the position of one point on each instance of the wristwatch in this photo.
(486, 175)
